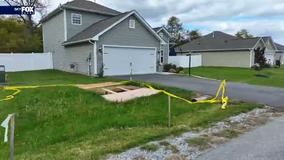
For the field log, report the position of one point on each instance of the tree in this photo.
(260, 58)
(174, 26)
(13, 37)
(29, 20)
(194, 34)
(243, 33)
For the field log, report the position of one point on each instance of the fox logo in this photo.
(28, 10)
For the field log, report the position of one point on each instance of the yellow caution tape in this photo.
(223, 100)
(17, 89)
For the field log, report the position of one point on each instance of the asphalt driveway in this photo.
(271, 96)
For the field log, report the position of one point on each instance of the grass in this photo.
(150, 147)
(69, 123)
(202, 142)
(228, 133)
(244, 75)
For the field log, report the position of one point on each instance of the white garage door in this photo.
(120, 60)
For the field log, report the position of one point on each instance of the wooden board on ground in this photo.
(98, 85)
(129, 95)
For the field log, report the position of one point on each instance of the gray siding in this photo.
(121, 34)
(78, 54)
(53, 36)
(87, 20)
(166, 47)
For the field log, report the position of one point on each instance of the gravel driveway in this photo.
(271, 96)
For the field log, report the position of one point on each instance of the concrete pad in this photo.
(129, 95)
(97, 85)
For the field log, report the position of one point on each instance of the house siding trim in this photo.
(65, 25)
(96, 38)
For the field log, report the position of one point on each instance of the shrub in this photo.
(179, 69)
(167, 67)
(278, 63)
(101, 73)
(256, 67)
(174, 66)
(266, 65)
(172, 70)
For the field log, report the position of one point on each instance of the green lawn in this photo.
(244, 75)
(68, 123)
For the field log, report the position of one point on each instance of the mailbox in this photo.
(2, 74)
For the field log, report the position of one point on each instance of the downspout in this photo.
(95, 56)
(65, 21)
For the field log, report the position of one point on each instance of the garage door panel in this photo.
(118, 60)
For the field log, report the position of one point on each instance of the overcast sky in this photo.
(260, 17)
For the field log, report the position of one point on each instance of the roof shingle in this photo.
(219, 41)
(95, 28)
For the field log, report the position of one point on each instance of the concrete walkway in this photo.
(264, 143)
(271, 96)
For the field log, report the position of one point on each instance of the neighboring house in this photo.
(279, 53)
(86, 37)
(165, 49)
(221, 49)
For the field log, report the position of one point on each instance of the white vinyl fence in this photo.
(183, 61)
(15, 62)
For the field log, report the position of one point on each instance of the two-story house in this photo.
(86, 37)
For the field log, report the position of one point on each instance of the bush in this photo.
(278, 63)
(101, 73)
(167, 67)
(266, 65)
(179, 69)
(174, 66)
(256, 67)
(172, 70)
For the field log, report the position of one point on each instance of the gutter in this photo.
(69, 43)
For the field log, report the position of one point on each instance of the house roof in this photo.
(219, 41)
(95, 30)
(157, 29)
(265, 39)
(82, 5)
(279, 46)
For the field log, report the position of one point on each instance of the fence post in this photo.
(50, 60)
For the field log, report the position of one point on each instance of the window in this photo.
(76, 19)
(161, 34)
(132, 23)
(162, 56)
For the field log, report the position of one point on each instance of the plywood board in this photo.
(129, 95)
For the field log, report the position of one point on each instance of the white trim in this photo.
(161, 34)
(250, 63)
(84, 40)
(260, 39)
(131, 22)
(65, 25)
(119, 46)
(163, 28)
(273, 44)
(139, 18)
(235, 49)
(95, 59)
(81, 17)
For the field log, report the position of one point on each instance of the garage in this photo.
(120, 60)
(269, 58)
